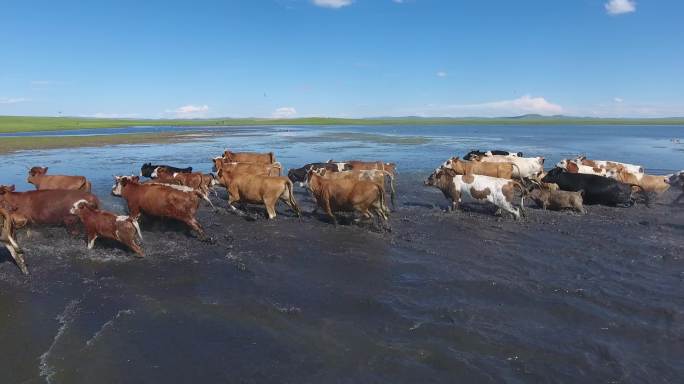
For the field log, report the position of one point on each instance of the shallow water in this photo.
(442, 298)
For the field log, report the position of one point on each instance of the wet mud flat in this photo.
(442, 297)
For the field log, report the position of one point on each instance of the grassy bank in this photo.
(10, 124)
(12, 144)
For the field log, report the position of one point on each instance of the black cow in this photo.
(472, 154)
(597, 189)
(147, 169)
(677, 181)
(298, 175)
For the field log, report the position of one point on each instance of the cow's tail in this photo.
(523, 192)
(137, 228)
(392, 188)
(7, 228)
(384, 212)
(290, 197)
(519, 173)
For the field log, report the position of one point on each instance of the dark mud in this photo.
(442, 297)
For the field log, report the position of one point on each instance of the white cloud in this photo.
(332, 3)
(441, 74)
(189, 111)
(618, 7)
(520, 106)
(398, 1)
(628, 109)
(285, 113)
(13, 100)
(618, 100)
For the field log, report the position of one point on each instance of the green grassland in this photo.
(12, 144)
(12, 124)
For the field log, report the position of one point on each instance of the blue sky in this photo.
(347, 58)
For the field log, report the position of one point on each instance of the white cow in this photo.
(499, 192)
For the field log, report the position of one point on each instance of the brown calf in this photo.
(557, 200)
(346, 195)
(108, 225)
(250, 157)
(258, 189)
(7, 239)
(45, 207)
(174, 202)
(39, 178)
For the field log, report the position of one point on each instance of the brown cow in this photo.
(648, 183)
(174, 202)
(196, 180)
(45, 207)
(250, 157)
(7, 239)
(38, 177)
(374, 175)
(346, 195)
(258, 189)
(500, 170)
(274, 169)
(357, 165)
(108, 225)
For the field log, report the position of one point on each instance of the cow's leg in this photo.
(71, 224)
(91, 240)
(195, 225)
(514, 211)
(328, 211)
(288, 198)
(270, 208)
(128, 235)
(18, 258)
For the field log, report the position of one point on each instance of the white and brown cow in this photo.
(500, 192)
(98, 223)
(597, 167)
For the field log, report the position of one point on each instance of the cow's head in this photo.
(78, 206)
(440, 176)
(160, 172)
(6, 189)
(391, 168)
(217, 163)
(37, 171)
(675, 179)
(120, 183)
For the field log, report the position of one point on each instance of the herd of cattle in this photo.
(498, 177)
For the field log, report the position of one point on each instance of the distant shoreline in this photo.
(16, 124)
